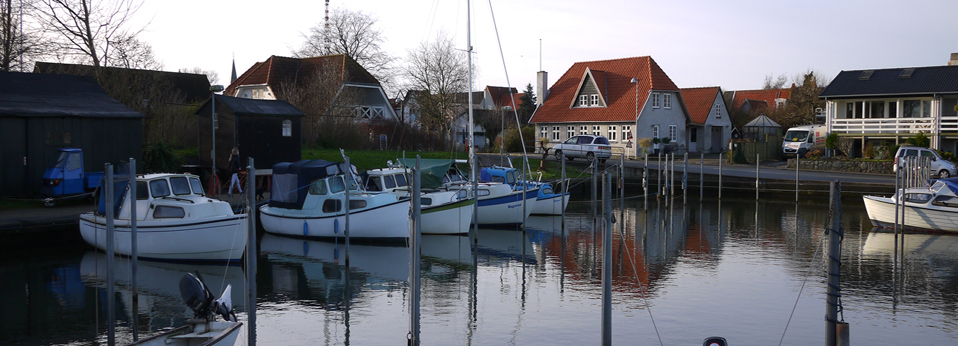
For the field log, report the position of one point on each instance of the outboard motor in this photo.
(715, 341)
(199, 298)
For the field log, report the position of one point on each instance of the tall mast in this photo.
(472, 145)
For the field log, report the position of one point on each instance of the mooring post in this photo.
(685, 178)
(607, 263)
(756, 175)
(414, 252)
(349, 181)
(720, 176)
(565, 191)
(797, 161)
(622, 194)
(833, 297)
(595, 213)
(701, 176)
(133, 248)
(110, 275)
(658, 174)
(251, 252)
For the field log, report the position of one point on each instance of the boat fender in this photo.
(305, 228)
(305, 248)
(336, 226)
(336, 253)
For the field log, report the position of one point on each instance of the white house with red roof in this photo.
(621, 99)
(710, 126)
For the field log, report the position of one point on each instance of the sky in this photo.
(733, 44)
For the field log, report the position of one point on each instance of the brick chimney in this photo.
(542, 87)
(954, 59)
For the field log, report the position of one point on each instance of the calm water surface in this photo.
(750, 272)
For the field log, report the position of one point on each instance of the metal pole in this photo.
(658, 173)
(251, 252)
(607, 263)
(685, 178)
(797, 163)
(349, 181)
(475, 199)
(645, 183)
(133, 247)
(756, 175)
(216, 188)
(622, 194)
(720, 175)
(701, 176)
(565, 188)
(834, 263)
(414, 252)
(110, 275)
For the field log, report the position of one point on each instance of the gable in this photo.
(701, 102)
(590, 93)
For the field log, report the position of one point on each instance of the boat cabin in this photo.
(163, 196)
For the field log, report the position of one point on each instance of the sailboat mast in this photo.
(472, 152)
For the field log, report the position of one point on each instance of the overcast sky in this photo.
(733, 44)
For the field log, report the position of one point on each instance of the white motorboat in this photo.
(443, 211)
(548, 202)
(308, 199)
(203, 329)
(176, 221)
(933, 208)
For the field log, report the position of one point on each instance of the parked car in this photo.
(939, 167)
(584, 146)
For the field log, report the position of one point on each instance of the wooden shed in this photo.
(270, 131)
(40, 113)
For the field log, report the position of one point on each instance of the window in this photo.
(612, 131)
(594, 100)
(181, 186)
(74, 162)
(332, 205)
(583, 100)
(555, 133)
(287, 128)
(583, 130)
(318, 187)
(655, 131)
(425, 201)
(876, 109)
(850, 110)
(569, 131)
(911, 109)
(544, 132)
(389, 182)
(627, 132)
(693, 134)
(673, 131)
(194, 183)
(595, 130)
(159, 188)
(780, 102)
(401, 180)
(667, 101)
(655, 100)
(357, 203)
(168, 212)
(336, 184)
(368, 112)
(892, 109)
(718, 110)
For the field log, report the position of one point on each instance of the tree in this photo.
(528, 105)
(88, 30)
(20, 43)
(441, 71)
(775, 82)
(355, 35)
(129, 52)
(328, 107)
(804, 98)
(211, 75)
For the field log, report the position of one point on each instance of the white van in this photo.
(802, 139)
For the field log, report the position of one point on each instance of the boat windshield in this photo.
(197, 186)
(796, 136)
(512, 177)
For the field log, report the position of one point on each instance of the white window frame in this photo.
(718, 110)
(655, 131)
(596, 130)
(626, 130)
(543, 131)
(555, 133)
(594, 100)
(570, 131)
(655, 100)
(666, 100)
(583, 100)
(287, 128)
(583, 130)
(612, 132)
(673, 132)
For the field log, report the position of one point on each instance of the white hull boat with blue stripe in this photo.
(925, 209)
(175, 222)
(500, 205)
(309, 199)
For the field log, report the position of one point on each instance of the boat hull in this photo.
(200, 334)
(451, 218)
(379, 223)
(921, 217)
(551, 205)
(217, 239)
(505, 210)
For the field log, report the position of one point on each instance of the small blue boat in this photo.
(548, 202)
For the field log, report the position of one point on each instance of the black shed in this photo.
(40, 113)
(267, 130)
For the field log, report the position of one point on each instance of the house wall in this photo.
(719, 118)
(257, 91)
(375, 100)
(650, 116)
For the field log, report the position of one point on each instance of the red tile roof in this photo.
(700, 101)
(500, 96)
(614, 80)
(278, 69)
(768, 95)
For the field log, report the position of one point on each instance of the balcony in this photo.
(891, 125)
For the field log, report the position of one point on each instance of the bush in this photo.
(512, 142)
(831, 141)
(869, 152)
(656, 140)
(739, 156)
(666, 140)
(947, 155)
(920, 140)
(814, 154)
(159, 158)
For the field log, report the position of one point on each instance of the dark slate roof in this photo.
(882, 82)
(277, 70)
(32, 94)
(194, 87)
(244, 106)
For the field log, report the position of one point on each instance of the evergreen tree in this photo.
(528, 105)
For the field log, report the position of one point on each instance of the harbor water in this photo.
(752, 272)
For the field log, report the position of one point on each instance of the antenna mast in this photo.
(326, 31)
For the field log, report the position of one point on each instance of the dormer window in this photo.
(594, 100)
(583, 100)
(718, 110)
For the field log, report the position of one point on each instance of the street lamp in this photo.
(214, 178)
(634, 147)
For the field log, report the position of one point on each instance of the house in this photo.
(40, 113)
(894, 104)
(755, 102)
(619, 99)
(269, 131)
(710, 127)
(496, 98)
(327, 79)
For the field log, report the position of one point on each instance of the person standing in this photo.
(234, 169)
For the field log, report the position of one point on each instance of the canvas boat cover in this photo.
(432, 170)
(951, 183)
(291, 179)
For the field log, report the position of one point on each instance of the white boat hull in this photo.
(453, 218)
(373, 223)
(211, 239)
(881, 211)
(505, 210)
(551, 205)
(222, 333)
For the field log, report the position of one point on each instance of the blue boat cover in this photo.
(291, 179)
(952, 184)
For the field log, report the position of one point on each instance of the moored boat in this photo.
(176, 221)
(309, 197)
(443, 211)
(933, 208)
(548, 202)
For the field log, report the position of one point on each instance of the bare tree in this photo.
(439, 70)
(87, 30)
(804, 98)
(129, 52)
(329, 107)
(20, 43)
(775, 82)
(211, 75)
(355, 35)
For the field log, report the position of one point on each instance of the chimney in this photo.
(542, 87)
(954, 59)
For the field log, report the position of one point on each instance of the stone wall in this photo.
(882, 167)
